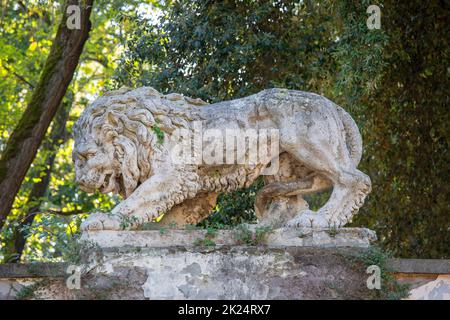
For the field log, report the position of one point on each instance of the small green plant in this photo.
(211, 232)
(162, 230)
(26, 292)
(333, 230)
(75, 249)
(173, 225)
(261, 234)
(29, 292)
(191, 227)
(243, 235)
(128, 221)
(150, 226)
(390, 288)
(159, 133)
(205, 242)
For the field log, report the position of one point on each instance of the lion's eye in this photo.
(83, 156)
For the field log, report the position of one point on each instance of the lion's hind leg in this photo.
(349, 191)
(279, 201)
(350, 186)
(357, 189)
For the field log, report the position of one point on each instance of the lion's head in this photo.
(118, 138)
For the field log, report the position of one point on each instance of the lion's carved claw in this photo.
(308, 219)
(100, 221)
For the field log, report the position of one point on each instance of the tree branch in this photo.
(64, 213)
(18, 76)
(23, 6)
(56, 75)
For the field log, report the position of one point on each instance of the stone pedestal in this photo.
(181, 264)
(196, 264)
(278, 238)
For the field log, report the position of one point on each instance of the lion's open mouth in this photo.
(109, 183)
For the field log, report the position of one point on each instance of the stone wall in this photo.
(428, 279)
(183, 265)
(209, 273)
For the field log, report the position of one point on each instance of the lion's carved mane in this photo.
(132, 124)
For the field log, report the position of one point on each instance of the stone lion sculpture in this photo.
(123, 145)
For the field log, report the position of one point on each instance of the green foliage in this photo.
(127, 222)
(28, 291)
(205, 242)
(243, 235)
(159, 133)
(76, 249)
(395, 82)
(333, 231)
(173, 225)
(234, 208)
(316, 201)
(390, 288)
(211, 232)
(222, 50)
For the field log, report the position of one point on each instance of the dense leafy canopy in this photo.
(394, 81)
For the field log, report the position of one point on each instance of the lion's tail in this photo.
(352, 136)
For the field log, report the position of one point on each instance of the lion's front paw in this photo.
(100, 221)
(308, 219)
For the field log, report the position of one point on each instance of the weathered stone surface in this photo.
(220, 273)
(256, 272)
(438, 289)
(32, 270)
(288, 264)
(127, 142)
(423, 266)
(283, 237)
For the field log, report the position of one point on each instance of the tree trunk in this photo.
(56, 76)
(56, 138)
